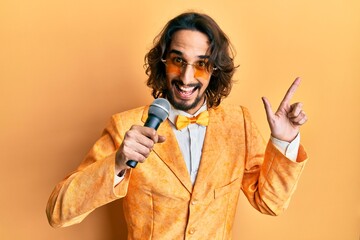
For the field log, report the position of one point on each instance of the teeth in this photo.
(187, 89)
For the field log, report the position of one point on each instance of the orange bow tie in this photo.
(201, 119)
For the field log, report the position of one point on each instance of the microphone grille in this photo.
(160, 107)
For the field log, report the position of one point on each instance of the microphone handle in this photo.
(152, 122)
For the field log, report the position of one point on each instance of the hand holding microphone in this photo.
(139, 140)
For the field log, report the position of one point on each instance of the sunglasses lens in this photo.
(172, 68)
(201, 71)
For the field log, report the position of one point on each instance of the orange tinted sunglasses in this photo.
(176, 64)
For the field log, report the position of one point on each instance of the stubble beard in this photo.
(182, 105)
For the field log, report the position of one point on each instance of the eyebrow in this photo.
(181, 54)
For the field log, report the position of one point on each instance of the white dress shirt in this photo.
(190, 140)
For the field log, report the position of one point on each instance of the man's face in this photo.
(186, 84)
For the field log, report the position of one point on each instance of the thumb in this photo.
(268, 110)
(161, 139)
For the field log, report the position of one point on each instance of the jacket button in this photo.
(192, 231)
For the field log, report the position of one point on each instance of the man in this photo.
(188, 179)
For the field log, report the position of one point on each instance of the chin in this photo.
(185, 105)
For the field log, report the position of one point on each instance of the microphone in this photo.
(158, 112)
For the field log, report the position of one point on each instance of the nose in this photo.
(187, 74)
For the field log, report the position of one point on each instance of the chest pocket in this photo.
(233, 186)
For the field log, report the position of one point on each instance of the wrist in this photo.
(287, 138)
(120, 165)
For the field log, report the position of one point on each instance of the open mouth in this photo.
(185, 91)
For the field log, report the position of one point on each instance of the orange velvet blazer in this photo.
(159, 200)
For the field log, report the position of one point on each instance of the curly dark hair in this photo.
(221, 56)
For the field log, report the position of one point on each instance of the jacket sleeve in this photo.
(91, 185)
(270, 178)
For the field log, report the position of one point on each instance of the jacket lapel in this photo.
(170, 153)
(214, 142)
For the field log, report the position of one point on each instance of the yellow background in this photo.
(66, 66)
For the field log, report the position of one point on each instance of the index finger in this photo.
(291, 91)
(142, 133)
(149, 133)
